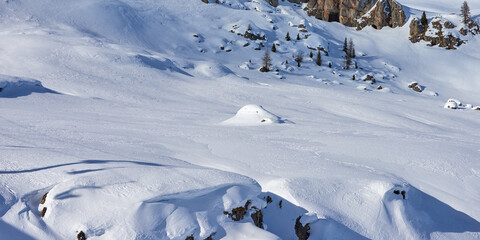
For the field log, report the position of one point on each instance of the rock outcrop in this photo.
(359, 13)
(439, 32)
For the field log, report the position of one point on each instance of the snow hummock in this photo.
(253, 115)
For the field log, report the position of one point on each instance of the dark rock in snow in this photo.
(81, 236)
(302, 232)
(257, 218)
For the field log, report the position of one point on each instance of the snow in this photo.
(253, 115)
(127, 121)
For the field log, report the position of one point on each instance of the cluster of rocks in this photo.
(457, 104)
(471, 27)
(438, 32)
(416, 87)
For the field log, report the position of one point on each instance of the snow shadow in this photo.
(88, 162)
(428, 214)
(70, 194)
(202, 213)
(14, 87)
(167, 64)
(12, 232)
(280, 216)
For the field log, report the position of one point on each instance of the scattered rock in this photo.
(210, 237)
(269, 199)
(379, 87)
(476, 108)
(302, 232)
(280, 204)
(81, 236)
(190, 237)
(451, 105)
(44, 210)
(44, 198)
(257, 218)
(369, 78)
(396, 192)
(238, 213)
(416, 87)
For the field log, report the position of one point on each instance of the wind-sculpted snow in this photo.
(13, 87)
(149, 139)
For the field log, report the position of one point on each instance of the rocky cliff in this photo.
(359, 13)
(356, 13)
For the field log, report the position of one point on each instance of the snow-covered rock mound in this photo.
(253, 115)
(12, 87)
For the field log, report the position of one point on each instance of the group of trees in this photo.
(288, 38)
(348, 48)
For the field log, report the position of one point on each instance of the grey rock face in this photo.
(359, 13)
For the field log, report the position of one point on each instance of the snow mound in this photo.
(212, 70)
(13, 87)
(253, 115)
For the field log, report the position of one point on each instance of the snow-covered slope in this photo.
(150, 120)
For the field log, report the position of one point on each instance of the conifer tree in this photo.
(266, 62)
(465, 13)
(319, 58)
(424, 20)
(298, 37)
(345, 46)
(288, 37)
(299, 59)
(311, 54)
(351, 49)
(274, 49)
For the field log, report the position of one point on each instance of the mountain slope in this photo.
(127, 130)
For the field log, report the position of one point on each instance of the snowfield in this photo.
(150, 119)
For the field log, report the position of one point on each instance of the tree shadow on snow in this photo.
(88, 162)
(167, 64)
(8, 231)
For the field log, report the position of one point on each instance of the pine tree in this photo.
(298, 37)
(345, 46)
(274, 49)
(351, 49)
(299, 59)
(465, 13)
(319, 58)
(330, 64)
(353, 78)
(266, 62)
(311, 54)
(424, 20)
(288, 37)
(356, 65)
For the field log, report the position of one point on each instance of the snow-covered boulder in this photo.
(452, 104)
(253, 115)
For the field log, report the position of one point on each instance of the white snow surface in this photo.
(116, 110)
